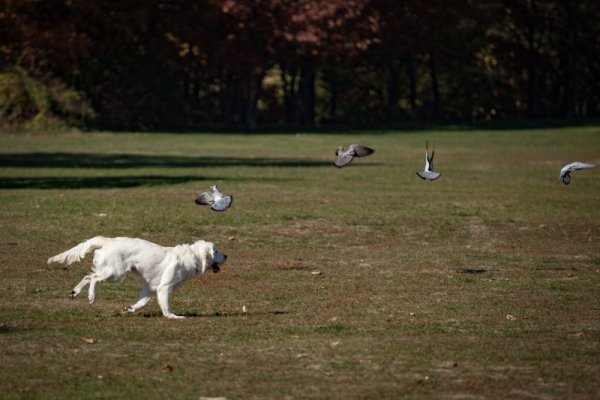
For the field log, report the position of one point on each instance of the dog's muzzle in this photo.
(215, 266)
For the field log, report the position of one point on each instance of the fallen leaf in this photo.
(167, 368)
(244, 309)
(231, 238)
(316, 272)
(511, 317)
(577, 334)
(212, 398)
(88, 341)
(449, 364)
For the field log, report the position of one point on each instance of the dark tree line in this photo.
(243, 63)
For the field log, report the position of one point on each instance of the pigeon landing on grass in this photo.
(565, 172)
(345, 157)
(429, 173)
(215, 200)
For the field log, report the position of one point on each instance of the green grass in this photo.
(415, 279)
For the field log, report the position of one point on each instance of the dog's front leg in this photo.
(164, 301)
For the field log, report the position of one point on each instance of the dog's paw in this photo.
(173, 316)
(73, 295)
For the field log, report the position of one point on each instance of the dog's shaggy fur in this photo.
(163, 269)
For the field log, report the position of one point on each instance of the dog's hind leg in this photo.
(144, 298)
(77, 289)
(164, 301)
(95, 278)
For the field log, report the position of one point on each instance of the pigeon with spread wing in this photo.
(428, 172)
(215, 200)
(565, 172)
(345, 157)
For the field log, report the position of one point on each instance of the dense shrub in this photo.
(35, 104)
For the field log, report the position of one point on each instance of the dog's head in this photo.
(209, 255)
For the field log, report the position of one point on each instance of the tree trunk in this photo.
(235, 99)
(289, 93)
(333, 102)
(530, 67)
(412, 82)
(253, 83)
(437, 107)
(307, 92)
(393, 91)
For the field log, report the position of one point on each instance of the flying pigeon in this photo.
(429, 173)
(215, 200)
(344, 157)
(565, 172)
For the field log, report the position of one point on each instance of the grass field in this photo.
(360, 283)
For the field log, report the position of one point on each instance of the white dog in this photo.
(163, 269)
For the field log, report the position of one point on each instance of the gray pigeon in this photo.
(565, 172)
(344, 157)
(215, 200)
(429, 173)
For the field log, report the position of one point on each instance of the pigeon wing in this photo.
(360, 151)
(576, 166)
(426, 160)
(222, 204)
(429, 166)
(429, 159)
(205, 199)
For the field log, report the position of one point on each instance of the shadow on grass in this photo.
(385, 128)
(102, 182)
(108, 161)
(191, 314)
(108, 182)
(471, 271)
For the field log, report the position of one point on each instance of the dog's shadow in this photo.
(220, 314)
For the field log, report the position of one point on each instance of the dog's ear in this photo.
(203, 251)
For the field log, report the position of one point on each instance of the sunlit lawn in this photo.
(364, 282)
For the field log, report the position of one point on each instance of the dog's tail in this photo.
(78, 252)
